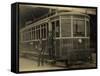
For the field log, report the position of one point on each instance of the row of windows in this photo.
(41, 31)
(78, 27)
(35, 32)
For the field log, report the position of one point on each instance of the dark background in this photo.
(28, 13)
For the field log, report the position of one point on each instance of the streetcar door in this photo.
(55, 36)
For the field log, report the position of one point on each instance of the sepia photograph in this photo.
(56, 37)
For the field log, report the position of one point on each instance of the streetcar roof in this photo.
(52, 16)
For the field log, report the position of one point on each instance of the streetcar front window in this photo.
(66, 27)
(78, 27)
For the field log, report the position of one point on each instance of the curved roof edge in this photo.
(58, 14)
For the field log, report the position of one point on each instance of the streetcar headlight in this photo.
(31, 43)
(80, 40)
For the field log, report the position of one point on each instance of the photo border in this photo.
(15, 60)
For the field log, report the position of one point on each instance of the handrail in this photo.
(41, 55)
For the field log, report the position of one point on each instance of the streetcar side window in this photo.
(39, 32)
(46, 30)
(34, 32)
(33, 29)
(43, 30)
(23, 35)
(88, 28)
(53, 29)
(57, 30)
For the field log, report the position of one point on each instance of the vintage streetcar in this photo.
(63, 36)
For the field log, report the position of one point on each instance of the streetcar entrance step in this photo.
(50, 61)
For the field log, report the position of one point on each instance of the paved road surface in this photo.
(29, 65)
